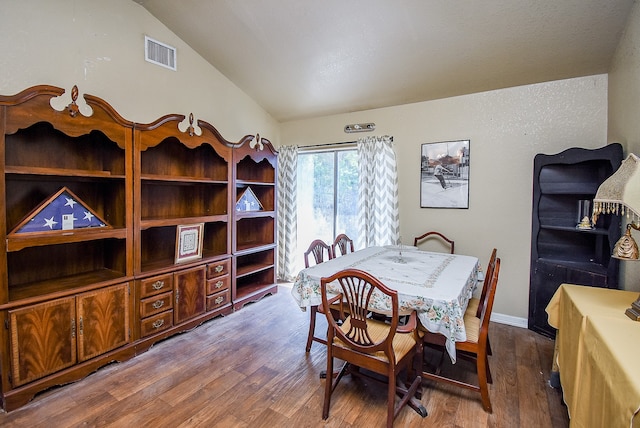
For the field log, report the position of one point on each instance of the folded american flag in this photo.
(62, 211)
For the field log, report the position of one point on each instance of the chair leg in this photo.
(482, 368)
(411, 394)
(312, 326)
(391, 401)
(328, 386)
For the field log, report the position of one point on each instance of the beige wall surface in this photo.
(624, 112)
(99, 46)
(507, 128)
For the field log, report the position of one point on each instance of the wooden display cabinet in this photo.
(74, 298)
(561, 252)
(63, 293)
(181, 178)
(254, 240)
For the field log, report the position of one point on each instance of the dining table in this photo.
(437, 286)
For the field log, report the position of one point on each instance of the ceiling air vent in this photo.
(159, 53)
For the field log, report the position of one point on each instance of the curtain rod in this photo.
(332, 144)
(329, 144)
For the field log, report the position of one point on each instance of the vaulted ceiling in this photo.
(301, 58)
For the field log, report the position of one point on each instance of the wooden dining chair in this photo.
(475, 347)
(366, 344)
(474, 303)
(320, 252)
(448, 243)
(475, 307)
(342, 243)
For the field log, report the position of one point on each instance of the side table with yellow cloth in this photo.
(598, 355)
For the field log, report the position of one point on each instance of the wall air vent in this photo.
(159, 53)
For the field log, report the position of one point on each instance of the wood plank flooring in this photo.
(250, 369)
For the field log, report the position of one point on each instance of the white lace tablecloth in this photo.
(437, 285)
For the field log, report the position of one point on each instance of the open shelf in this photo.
(41, 147)
(42, 267)
(170, 200)
(251, 172)
(72, 283)
(254, 232)
(171, 158)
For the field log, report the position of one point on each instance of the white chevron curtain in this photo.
(378, 212)
(287, 211)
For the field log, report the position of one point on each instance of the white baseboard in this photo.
(510, 320)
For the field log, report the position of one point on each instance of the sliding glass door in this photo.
(327, 196)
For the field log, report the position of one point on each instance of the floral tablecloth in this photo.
(437, 285)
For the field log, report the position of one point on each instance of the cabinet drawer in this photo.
(219, 299)
(219, 268)
(156, 323)
(156, 304)
(216, 285)
(156, 285)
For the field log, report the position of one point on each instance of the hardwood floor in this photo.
(250, 369)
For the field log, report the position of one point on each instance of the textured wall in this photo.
(507, 128)
(99, 45)
(624, 112)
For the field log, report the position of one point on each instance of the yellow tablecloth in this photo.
(598, 355)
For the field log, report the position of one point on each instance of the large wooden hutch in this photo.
(74, 298)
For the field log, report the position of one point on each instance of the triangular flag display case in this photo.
(93, 209)
(61, 212)
(248, 201)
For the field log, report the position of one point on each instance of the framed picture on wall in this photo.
(189, 242)
(444, 174)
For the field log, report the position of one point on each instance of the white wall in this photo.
(99, 46)
(624, 112)
(507, 128)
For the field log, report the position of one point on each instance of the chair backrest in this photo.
(433, 234)
(355, 290)
(344, 244)
(319, 249)
(487, 305)
(487, 279)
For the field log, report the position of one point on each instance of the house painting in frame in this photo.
(444, 174)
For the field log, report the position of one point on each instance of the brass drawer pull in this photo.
(158, 304)
(158, 285)
(158, 323)
(219, 300)
(219, 268)
(219, 284)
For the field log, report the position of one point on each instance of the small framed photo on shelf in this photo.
(189, 242)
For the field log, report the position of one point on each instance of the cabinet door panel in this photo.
(42, 339)
(103, 320)
(190, 299)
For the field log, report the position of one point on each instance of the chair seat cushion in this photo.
(472, 326)
(472, 307)
(403, 343)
